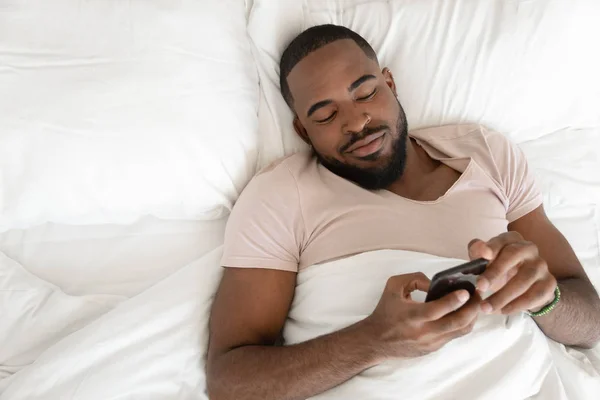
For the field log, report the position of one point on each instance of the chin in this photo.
(379, 169)
(375, 171)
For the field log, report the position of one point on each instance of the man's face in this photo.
(347, 109)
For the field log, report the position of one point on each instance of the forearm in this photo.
(576, 319)
(292, 372)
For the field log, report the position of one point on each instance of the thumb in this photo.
(480, 249)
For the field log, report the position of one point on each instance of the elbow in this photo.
(216, 385)
(215, 393)
(215, 390)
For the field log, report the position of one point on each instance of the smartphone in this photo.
(463, 276)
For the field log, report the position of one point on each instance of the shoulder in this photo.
(277, 181)
(448, 132)
(460, 136)
(288, 165)
(488, 148)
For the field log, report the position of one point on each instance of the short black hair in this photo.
(310, 40)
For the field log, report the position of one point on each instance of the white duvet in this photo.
(503, 358)
(153, 345)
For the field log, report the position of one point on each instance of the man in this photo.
(367, 185)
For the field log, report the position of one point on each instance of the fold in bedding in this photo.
(153, 345)
(504, 357)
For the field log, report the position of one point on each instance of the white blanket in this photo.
(149, 347)
(153, 345)
(503, 358)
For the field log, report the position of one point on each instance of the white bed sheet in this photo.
(111, 259)
(149, 347)
(57, 279)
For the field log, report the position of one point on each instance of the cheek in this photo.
(327, 140)
(386, 107)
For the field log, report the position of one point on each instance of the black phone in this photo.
(463, 276)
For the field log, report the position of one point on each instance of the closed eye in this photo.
(328, 119)
(369, 96)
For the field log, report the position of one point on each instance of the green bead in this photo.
(549, 307)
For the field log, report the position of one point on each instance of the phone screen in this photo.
(463, 276)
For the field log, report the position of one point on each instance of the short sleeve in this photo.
(521, 190)
(265, 225)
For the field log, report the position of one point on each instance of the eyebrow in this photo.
(360, 81)
(352, 87)
(316, 106)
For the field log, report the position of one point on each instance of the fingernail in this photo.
(486, 308)
(463, 296)
(483, 284)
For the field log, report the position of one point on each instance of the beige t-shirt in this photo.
(296, 213)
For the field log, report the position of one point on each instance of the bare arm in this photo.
(248, 314)
(526, 265)
(292, 372)
(576, 319)
(250, 310)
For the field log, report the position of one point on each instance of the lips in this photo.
(365, 141)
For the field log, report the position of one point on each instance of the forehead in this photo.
(331, 68)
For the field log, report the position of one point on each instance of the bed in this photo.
(128, 130)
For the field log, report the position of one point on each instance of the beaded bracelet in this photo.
(549, 307)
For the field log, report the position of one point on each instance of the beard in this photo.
(382, 176)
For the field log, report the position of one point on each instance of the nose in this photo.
(356, 121)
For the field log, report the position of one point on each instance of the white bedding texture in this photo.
(129, 128)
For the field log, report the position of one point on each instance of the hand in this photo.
(407, 328)
(517, 275)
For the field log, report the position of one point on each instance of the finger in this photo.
(408, 283)
(497, 243)
(511, 256)
(437, 309)
(479, 249)
(527, 275)
(504, 279)
(457, 320)
(490, 249)
(540, 294)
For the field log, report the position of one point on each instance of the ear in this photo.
(389, 79)
(300, 130)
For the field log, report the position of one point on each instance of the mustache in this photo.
(361, 135)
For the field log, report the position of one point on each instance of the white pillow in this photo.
(116, 109)
(35, 314)
(525, 68)
(152, 346)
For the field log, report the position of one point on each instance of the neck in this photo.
(419, 166)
